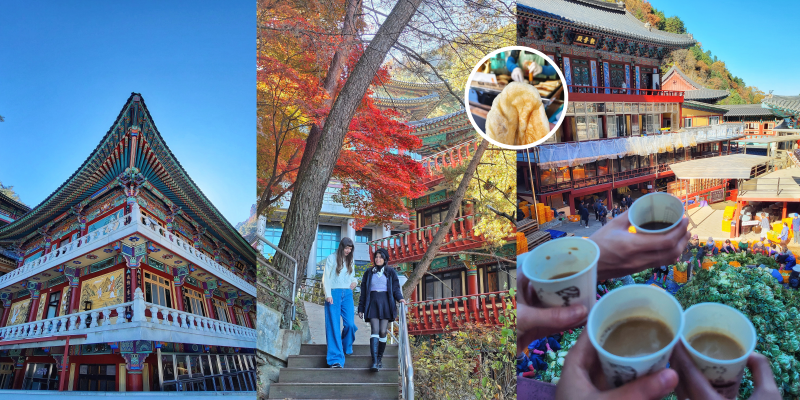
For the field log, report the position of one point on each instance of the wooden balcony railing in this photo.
(453, 313)
(412, 244)
(628, 91)
(455, 156)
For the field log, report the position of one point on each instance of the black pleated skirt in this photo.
(379, 306)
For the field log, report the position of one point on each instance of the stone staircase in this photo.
(307, 376)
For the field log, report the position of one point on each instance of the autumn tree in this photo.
(438, 22)
(9, 192)
(295, 94)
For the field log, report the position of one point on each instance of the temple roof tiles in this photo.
(457, 116)
(13, 203)
(602, 17)
(747, 110)
(701, 93)
(698, 105)
(783, 104)
(156, 163)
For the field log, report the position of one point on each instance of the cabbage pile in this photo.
(772, 309)
(555, 359)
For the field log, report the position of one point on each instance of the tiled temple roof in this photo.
(701, 93)
(155, 162)
(747, 110)
(602, 16)
(783, 104)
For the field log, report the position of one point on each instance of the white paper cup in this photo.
(563, 255)
(655, 207)
(633, 301)
(724, 375)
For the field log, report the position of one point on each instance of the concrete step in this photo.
(334, 391)
(350, 361)
(338, 375)
(358, 350)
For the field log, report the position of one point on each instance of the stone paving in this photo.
(316, 322)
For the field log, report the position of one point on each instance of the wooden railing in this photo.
(412, 244)
(455, 156)
(453, 313)
(627, 91)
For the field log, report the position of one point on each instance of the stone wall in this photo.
(274, 346)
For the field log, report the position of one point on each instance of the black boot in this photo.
(381, 348)
(373, 348)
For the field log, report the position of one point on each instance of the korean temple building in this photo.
(10, 211)
(448, 141)
(625, 124)
(127, 278)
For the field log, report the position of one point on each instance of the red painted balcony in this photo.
(455, 156)
(412, 244)
(451, 314)
(602, 94)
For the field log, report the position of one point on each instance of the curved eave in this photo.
(156, 163)
(654, 37)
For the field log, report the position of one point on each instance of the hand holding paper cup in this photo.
(655, 213)
(563, 272)
(634, 329)
(719, 340)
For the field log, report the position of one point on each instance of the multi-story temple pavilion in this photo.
(624, 126)
(471, 284)
(127, 278)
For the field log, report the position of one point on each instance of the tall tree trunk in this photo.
(332, 76)
(329, 84)
(452, 211)
(300, 228)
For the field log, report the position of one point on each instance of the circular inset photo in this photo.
(516, 97)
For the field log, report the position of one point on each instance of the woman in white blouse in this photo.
(339, 280)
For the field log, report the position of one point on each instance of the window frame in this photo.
(161, 283)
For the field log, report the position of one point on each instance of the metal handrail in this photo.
(263, 260)
(404, 356)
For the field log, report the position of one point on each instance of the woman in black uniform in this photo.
(380, 290)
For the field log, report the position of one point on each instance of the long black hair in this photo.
(341, 259)
(385, 256)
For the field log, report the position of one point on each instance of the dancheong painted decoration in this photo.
(108, 285)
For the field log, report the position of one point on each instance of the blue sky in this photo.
(757, 41)
(67, 68)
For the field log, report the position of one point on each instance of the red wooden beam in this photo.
(43, 339)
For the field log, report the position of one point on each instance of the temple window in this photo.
(157, 290)
(221, 310)
(97, 378)
(194, 303)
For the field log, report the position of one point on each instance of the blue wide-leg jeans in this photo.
(340, 339)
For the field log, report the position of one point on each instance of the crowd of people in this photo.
(600, 210)
(695, 253)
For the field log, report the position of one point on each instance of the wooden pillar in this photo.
(134, 363)
(35, 294)
(6, 299)
(5, 315)
(19, 373)
(232, 314)
(784, 210)
(210, 305)
(571, 203)
(73, 277)
(179, 297)
(610, 199)
(472, 282)
(133, 381)
(63, 362)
